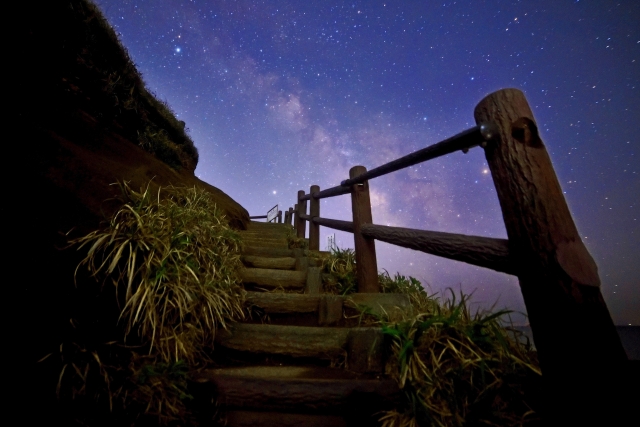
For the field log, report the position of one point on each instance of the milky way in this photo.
(280, 95)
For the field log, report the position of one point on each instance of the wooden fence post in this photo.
(314, 229)
(290, 211)
(279, 217)
(365, 248)
(286, 216)
(302, 210)
(577, 342)
(295, 217)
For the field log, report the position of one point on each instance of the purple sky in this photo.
(280, 95)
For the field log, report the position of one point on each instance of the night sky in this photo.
(280, 95)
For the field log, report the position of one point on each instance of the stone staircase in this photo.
(298, 361)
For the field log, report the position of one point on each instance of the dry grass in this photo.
(341, 268)
(174, 263)
(454, 367)
(458, 368)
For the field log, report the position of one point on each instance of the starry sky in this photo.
(281, 95)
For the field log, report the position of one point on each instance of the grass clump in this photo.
(457, 368)
(171, 263)
(340, 272)
(296, 242)
(454, 367)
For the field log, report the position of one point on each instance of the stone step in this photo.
(363, 347)
(290, 389)
(284, 263)
(274, 278)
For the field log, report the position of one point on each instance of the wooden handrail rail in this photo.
(475, 250)
(469, 138)
(338, 190)
(336, 224)
(481, 251)
(465, 140)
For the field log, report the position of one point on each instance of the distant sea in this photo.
(629, 336)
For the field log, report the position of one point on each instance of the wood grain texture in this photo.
(269, 262)
(274, 278)
(572, 328)
(335, 224)
(481, 251)
(365, 247)
(297, 341)
(284, 302)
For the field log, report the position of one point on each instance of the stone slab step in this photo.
(295, 389)
(274, 278)
(288, 263)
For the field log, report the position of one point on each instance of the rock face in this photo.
(80, 120)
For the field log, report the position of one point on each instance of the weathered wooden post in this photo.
(314, 211)
(365, 248)
(578, 346)
(295, 217)
(302, 210)
(279, 217)
(286, 216)
(290, 211)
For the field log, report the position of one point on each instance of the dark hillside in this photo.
(80, 120)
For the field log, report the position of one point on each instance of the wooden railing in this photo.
(571, 324)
